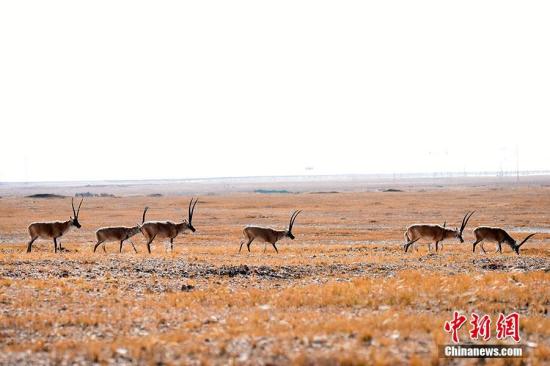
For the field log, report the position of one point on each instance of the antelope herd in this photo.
(152, 230)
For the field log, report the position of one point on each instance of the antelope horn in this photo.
(144, 212)
(468, 219)
(465, 220)
(524, 240)
(192, 208)
(292, 219)
(72, 204)
(293, 216)
(78, 211)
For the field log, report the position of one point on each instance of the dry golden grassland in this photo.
(343, 292)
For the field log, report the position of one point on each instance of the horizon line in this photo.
(432, 175)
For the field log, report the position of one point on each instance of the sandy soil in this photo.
(343, 292)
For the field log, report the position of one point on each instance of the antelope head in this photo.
(288, 232)
(74, 218)
(458, 232)
(516, 247)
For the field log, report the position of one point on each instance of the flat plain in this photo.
(343, 292)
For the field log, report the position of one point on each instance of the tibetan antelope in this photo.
(267, 235)
(53, 230)
(430, 244)
(436, 233)
(497, 235)
(166, 229)
(118, 233)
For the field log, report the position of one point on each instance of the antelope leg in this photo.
(29, 246)
(97, 244)
(149, 243)
(133, 246)
(476, 243)
(409, 244)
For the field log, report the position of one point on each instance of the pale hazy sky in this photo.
(149, 89)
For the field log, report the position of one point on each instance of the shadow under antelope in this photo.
(53, 230)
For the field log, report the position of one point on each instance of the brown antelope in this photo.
(430, 244)
(436, 233)
(267, 235)
(167, 229)
(497, 235)
(118, 233)
(53, 230)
